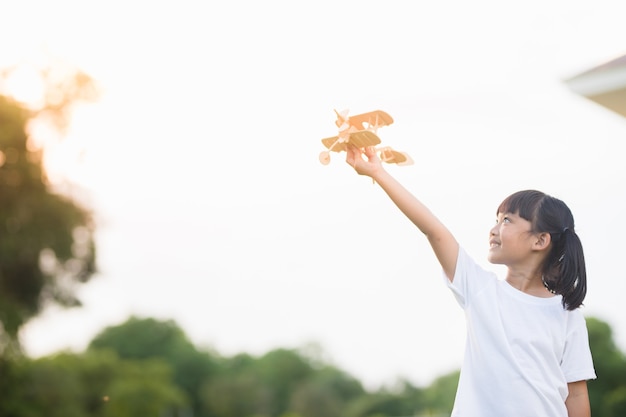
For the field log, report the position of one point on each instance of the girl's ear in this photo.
(543, 241)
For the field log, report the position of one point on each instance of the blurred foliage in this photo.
(146, 367)
(61, 87)
(46, 243)
(152, 339)
(89, 384)
(607, 393)
(441, 392)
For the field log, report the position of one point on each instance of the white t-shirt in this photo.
(521, 350)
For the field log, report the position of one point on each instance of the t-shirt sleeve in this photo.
(577, 363)
(469, 278)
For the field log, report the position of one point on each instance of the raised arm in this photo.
(442, 241)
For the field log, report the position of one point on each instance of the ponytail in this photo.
(564, 270)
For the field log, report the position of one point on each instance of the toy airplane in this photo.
(360, 131)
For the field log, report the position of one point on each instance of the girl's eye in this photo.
(504, 219)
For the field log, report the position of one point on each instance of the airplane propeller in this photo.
(342, 135)
(342, 118)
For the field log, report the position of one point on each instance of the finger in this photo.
(357, 161)
(350, 155)
(370, 152)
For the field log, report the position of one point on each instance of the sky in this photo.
(200, 163)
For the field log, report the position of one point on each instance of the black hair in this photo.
(563, 270)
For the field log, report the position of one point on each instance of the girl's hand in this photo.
(370, 167)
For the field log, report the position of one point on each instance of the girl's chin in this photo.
(493, 259)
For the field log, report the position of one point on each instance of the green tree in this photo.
(139, 338)
(404, 399)
(439, 395)
(13, 384)
(144, 388)
(281, 370)
(52, 386)
(46, 243)
(93, 384)
(326, 392)
(615, 405)
(313, 398)
(248, 386)
(239, 394)
(379, 404)
(607, 392)
(282, 382)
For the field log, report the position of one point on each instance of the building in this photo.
(604, 84)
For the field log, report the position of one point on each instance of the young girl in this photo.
(527, 350)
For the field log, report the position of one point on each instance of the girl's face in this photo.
(510, 240)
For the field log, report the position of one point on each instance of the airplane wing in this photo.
(376, 118)
(391, 156)
(364, 138)
(360, 139)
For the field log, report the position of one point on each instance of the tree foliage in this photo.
(150, 368)
(46, 243)
(90, 384)
(439, 396)
(152, 339)
(607, 393)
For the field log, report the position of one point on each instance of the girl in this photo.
(527, 350)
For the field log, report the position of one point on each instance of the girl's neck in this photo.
(528, 282)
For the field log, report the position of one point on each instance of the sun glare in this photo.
(62, 151)
(25, 85)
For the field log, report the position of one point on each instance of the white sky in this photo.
(201, 163)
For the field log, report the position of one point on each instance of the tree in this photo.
(149, 338)
(144, 388)
(326, 392)
(441, 392)
(237, 395)
(93, 384)
(607, 393)
(315, 399)
(281, 370)
(46, 239)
